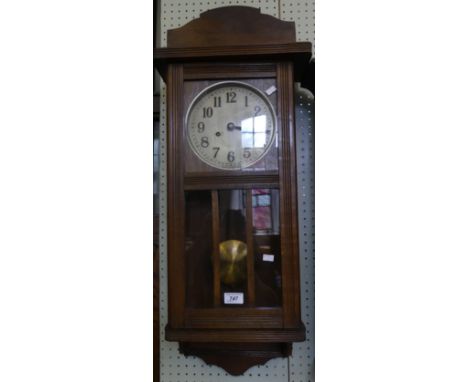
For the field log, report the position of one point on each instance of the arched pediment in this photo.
(231, 26)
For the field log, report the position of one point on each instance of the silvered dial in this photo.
(231, 125)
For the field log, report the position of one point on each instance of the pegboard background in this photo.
(298, 368)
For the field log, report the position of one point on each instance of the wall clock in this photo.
(233, 257)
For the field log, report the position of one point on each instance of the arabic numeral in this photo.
(217, 101)
(201, 127)
(231, 157)
(247, 153)
(231, 97)
(258, 109)
(204, 142)
(207, 112)
(216, 149)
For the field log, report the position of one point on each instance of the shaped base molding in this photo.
(236, 358)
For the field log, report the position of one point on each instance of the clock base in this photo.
(278, 335)
(235, 358)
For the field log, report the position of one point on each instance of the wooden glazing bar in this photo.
(250, 250)
(216, 262)
(231, 181)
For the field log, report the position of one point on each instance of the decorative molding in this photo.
(236, 335)
(209, 71)
(232, 26)
(297, 52)
(288, 181)
(235, 358)
(175, 194)
(245, 318)
(231, 181)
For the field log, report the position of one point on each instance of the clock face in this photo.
(231, 125)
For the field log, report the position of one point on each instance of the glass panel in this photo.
(267, 247)
(203, 230)
(233, 248)
(231, 125)
(198, 249)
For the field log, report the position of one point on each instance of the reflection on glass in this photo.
(267, 247)
(198, 249)
(254, 132)
(265, 203)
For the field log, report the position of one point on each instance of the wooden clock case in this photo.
(232, 44)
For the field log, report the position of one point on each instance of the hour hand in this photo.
(231, 126)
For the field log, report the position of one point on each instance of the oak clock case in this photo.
(233, 258)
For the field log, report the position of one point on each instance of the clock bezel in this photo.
(222, 84)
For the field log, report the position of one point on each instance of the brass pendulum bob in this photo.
(233, 255)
